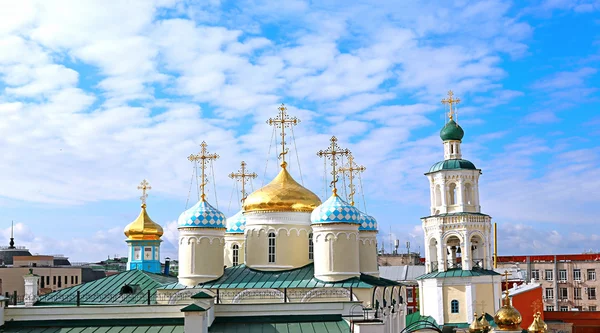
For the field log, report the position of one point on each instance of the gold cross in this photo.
(282, 121)
(506, 297)
(451, 101)
(352, 169)
(203, 157)
(144, 186)
(242, 177)
(332, 152)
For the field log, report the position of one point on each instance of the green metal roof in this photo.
(243, 277)
(415, 322)
(201, 295)
(456, 214)
(452, 165)
(452, 131)
(107, 290)
(274, 324)
(457, 273)
(146, 325)
(193, 308)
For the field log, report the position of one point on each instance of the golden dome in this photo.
(143, 228)
(282, 194)
(538, 325)
(476, 326)
(508, 318)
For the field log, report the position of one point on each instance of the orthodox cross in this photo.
(144, 186)
(332, 153)
(282, 121)
(204, 157)
(242, 176)
(536, 306)
(451, 101)
(352, 169)
(482, 303)
(506, 299)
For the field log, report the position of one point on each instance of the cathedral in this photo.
(288, 261)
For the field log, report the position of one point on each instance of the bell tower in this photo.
(457, 236)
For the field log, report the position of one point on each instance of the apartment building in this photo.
(569, 282)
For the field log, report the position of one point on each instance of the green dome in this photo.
(452, 165)
(452, 131)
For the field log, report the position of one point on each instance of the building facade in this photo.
(569, 282)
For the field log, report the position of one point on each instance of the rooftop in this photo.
(243, 277)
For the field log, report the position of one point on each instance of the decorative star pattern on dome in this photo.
(367, 222)
(202, 215)
(236, 223)
(335, 210)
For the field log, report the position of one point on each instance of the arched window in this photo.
(468, 194)
(454, 306)
(451, 148)
(452, 193)
(438, 195)
(310, 246)
(271, 247)
(235, 257)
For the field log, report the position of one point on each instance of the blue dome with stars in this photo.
(236, 223)
(335, 210)
(367, 222)
(202, 215)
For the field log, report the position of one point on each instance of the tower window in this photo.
(438, 196)
(454, 306)
(468, 194)
(452, 193)
(310, 246)
(271, 247)
(235, 257)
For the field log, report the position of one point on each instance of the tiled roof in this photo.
(457, 273)
(243, 277)
(108, 290)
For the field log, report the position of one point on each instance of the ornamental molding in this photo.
(327, 293)
(198, 239)
(369, 241)
(270, 294)
(271, 218)
(256, 230)
(184, 294)
(330, 235)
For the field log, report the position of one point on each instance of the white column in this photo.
(432, 197)
(31, 288)
(470, 300)
(441, 255)
(476, 197)
(444, 208)
(465, 249)
(459, 194)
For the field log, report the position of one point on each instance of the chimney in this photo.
(31, 288)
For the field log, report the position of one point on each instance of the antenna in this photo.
(391, 243)
(396, 245)
(408, 248)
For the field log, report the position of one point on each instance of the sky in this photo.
(96, 96)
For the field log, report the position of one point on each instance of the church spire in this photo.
(12, 235)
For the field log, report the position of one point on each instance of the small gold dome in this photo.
(476, 326)
(282, 194)
(538, 325)
(508, 318)
(143, 228)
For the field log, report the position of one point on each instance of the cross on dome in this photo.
(451, 101)
(332, 153)
(144, 186)
(352, 169)
(203, 157)
(282, 121)
(242, 176)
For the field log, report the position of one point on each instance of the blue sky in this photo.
(97, 95)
